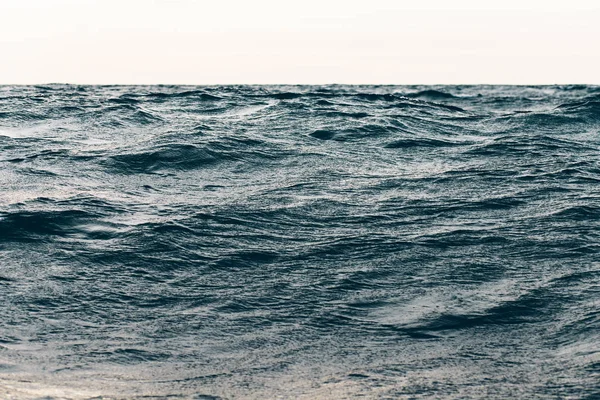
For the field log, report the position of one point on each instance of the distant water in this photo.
(299, 242)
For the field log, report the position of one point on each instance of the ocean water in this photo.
(284, 242)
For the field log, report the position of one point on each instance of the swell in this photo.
(41, 225)
(357, 133)
(587, 108)
(181, 157)
(230, 238)
(519, 143)
(431, 95)
(415, 143)
(428, 95)
(175, 156)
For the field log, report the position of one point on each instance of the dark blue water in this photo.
(299, 242)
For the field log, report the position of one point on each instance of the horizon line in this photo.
(297, 84)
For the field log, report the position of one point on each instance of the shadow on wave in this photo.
(25, 226)
(431, 95)
(182, 157)
(531, 307)
(357, 133)
(174, 156)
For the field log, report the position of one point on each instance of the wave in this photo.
(412, 143)
(338, 114)
(188, 94)
(227, 240)
(39, 225)
(431, 95)
(357, 133)
(175, 156)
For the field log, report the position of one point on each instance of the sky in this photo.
(299, 41)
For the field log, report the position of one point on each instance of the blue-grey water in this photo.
(299, 242)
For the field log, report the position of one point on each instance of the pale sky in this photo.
(300, 41)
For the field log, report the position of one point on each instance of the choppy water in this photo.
(300, 242)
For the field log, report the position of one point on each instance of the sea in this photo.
(299, 242)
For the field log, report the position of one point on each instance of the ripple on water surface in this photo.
(299, 242)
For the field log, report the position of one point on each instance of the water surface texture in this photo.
(299, 242)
